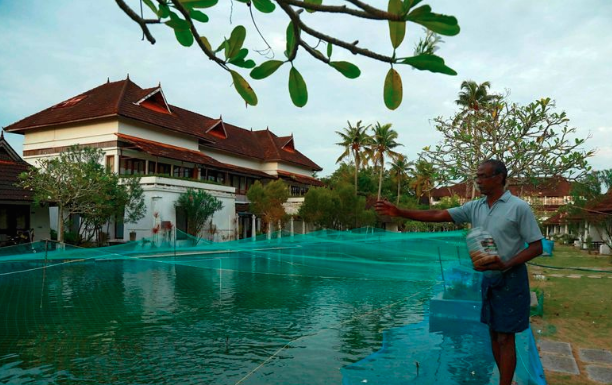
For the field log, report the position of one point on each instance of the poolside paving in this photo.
(558, 357)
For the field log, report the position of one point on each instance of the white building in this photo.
(172, 149)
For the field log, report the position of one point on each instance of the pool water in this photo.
(248, 318)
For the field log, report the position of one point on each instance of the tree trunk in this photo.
(380, 177)
(356, 175)
(398, 190)
(60, 224)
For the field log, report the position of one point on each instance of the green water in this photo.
(249, 318)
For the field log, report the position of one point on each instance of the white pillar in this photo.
(253, 227)
(303, 226)
(280, 229)
(237, 227)
(291, 222)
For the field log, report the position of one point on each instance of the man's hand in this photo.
(483, 261)
(386, 208)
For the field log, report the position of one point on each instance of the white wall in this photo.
(156, 134)
(39, 221)
(161, 193)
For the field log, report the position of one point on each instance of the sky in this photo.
(53, 50)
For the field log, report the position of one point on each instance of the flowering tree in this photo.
(198, 206)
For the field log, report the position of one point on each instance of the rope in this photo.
(570, 268)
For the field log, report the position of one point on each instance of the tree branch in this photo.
(139, 20)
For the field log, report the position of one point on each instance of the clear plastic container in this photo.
(480, 240)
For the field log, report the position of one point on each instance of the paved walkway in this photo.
(558, 357)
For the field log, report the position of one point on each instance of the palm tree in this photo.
(399, 170)
(355, 140)
(473, 96)
(383, 143)
(422, 178)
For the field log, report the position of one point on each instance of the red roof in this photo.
(186, 155)
(119, 99)
(541, 187)
(300, 178)
(11, 165)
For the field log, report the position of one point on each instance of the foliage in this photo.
(198, 206)
(475, 96)
(355, 140)
(337, 208)
(586, 195)
(532, 140)
(400, 167)
(267, 201)
(77, 183)
(184, 18)
(384, 141)
(423, 178)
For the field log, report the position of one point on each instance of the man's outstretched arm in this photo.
(386, 208)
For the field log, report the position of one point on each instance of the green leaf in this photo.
(291, 40)
(235, 42)
(315, 2)
(329, 50)
(243, 63)
(264, 6)
(431, 63)
(244, 89)
(397, 29)
(199, 3)
(176, 22)
(239, 59)
(184, 37)
(393, 90)
(164, 11)
(240, 56)
(266, 69)
(297, 88)
(206, 43)
(199, 16)
(150, 4)
(347, 69)
(442, 24)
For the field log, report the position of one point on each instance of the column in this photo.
(253, 227)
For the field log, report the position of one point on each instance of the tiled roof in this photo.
(186, 155)
(300, 178)
(118, 99)
(171, 152)
(543, 187)
(11, 165)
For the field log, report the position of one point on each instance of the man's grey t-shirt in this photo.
(510, 221)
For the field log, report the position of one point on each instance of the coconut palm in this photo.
(400, 168)
(384, 140)
(474, 96)
(355, 140)
(422, 178)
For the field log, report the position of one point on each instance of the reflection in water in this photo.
(199, 320)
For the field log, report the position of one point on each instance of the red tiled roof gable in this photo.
(118, 99)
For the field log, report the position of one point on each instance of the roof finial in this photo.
(128, 76)
(1, 134)
(267, 128)
(108, 80)
(221, 117)
(159, 84)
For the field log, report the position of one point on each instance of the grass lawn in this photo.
(576, 310)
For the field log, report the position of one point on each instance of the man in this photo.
(510, 220)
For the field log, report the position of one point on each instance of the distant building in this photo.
(545, 195)
(172, 149)
(20, 219)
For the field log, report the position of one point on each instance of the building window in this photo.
(182, 172)
(110, 163)
(131, 166)
(159, 168)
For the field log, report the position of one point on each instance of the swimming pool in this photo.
(291, 315)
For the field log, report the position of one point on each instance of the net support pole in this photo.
(458, 255)
(441, 268)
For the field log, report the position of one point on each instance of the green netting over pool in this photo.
(322, 308)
